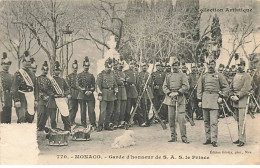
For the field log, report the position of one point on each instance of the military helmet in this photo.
(45, 66)
(57, 66)
(108, 63)
(26, 56)
(5, 60)
(86, 61)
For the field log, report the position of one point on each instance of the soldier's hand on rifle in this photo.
(17, 104)
(100, 96)
(200, 104)
(220, 100)
(234, 98)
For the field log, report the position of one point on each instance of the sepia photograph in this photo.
(130, 82)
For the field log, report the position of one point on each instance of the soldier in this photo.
(192, 98)
(221, 68)
(241, 86)
(120, 103)
(174, 86)
(33, 66)
(157, 83)
(131, 90)
(34, 70)
(211, 88)
(86, 85)
(145, 103)
(107, 89)
(44, 92)
(74, 91)
(24, 84)
(61, 90)
(6, 97)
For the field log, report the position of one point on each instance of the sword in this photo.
(258, 106)
(246, 109)
(235, 116)
(226, 122)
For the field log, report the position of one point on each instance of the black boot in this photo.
(208, 141)
(173, 138)
(214, 144)
(236, 142)
(241, 144)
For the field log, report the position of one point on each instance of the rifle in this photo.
(156, 113)
(197, 83)
(140, 97)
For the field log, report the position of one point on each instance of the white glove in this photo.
(69, 96)
(234, 98)
(116, 90)
(17, 104)
(100, 98)
(88, 93)
(35, 103)
(173, 94)
(200, 104)
(220, 100)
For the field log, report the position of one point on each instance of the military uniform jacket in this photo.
(63, 86)
(158, 78)
(6, 83)
(72, 83)
(241, 86)
(141, 81)
(131, 81)
(209, 87)
(120, 76)
(86, 82)
(106, 85)
(19, 84)
(44, 90)
(176, 82)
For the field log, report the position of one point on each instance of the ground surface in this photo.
(152, 142)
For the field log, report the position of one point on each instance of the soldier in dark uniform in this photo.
(120, 103)
(192, 105)
(61, 90)
(221, 68)
(157, 83)
(74, 91)
(241, 86)
(34, 70)
(209, 97)
(24, 81)
(6, 97)
(131, 90)
(145, 103)
(44, 92)
(86, 85)
(107, 89)
(174, 86)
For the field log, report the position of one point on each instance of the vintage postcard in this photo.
(130, 82)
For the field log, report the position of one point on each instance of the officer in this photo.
(24, 81)
(120, 103)
(131, 90)
(211, 88)
(74, 91)
(145, 103)
(6, 83)
(44, 93)
(174, 86)
(157, 82)
(61, 90)
(107, 89)
(86, 85)
(241, 86)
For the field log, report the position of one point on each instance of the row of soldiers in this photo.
(169, 89)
